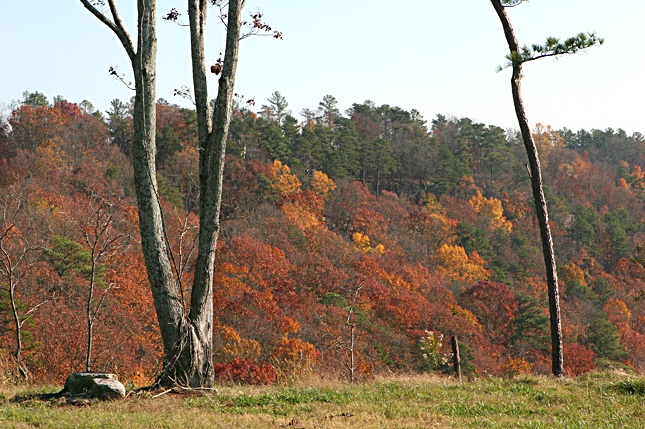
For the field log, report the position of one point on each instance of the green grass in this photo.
(604, 400)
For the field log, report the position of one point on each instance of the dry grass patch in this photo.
(403, 401)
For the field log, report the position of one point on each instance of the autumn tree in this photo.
(186, 333)
(15, 246)
(103, 239)
(517, 57)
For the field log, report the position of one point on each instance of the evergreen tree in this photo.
(602, 337)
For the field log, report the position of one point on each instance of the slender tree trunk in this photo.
(16, 320)
(90, 318)
(538, 196)
(456, 358)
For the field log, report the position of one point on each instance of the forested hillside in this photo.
(369, 234)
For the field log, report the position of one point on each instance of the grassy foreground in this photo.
(594, 401)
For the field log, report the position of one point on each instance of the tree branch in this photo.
(116, 26)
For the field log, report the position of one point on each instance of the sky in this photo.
(438, 57)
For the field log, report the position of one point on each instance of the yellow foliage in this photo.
(546, 140)
(234, 346)
(284, 182)
(362, 242)
(456, 264)
(321, 184)
(638, 172)
(433, 207)
(300, 215)
(466, 314)
(491, 209)
(571, 272)
(617, 312)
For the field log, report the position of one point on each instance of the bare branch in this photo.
(174, 16)
(116, 26)
(113, 72)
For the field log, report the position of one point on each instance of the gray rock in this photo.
(93, 385)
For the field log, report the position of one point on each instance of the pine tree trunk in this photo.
(538, 196)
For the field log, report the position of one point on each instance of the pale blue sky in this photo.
(438, 57)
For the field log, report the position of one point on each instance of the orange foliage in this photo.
(321, 184)
(515, 205)
(572, 273)
(292, 353)
(490, 209)
(230, 345)
(457, 265)
(617, 312)
(638, 172)
(516, 366)
(283, 181)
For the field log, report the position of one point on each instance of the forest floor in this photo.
(598, 400)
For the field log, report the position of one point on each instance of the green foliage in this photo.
(169, 192)
(335, 300)
(67, 255)
(602, 337)
(575, 290)
(630, 386)
(36, 99)
(553, 47)
(531, 325)
(603, 290)
(587, 226)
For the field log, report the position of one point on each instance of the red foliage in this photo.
(244, 372)
(495, 307)
(578, 359)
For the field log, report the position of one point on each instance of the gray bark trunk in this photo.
(193, 361)
(557, 361)
(165, 289)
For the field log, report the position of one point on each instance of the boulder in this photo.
(93, 385)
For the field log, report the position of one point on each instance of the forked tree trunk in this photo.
(557, 361)
(187, 338)
(194, 360)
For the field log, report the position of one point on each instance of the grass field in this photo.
(603, 400)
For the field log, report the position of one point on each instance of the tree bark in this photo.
(212, 141)
(165, 289)
(187, 338)
(557, 361)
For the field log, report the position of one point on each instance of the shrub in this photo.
(240, 371)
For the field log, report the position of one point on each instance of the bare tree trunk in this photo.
(165, 289)
(538, 196)
(456, 358)
(193, 362)
(16, 319)
(90, 319)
